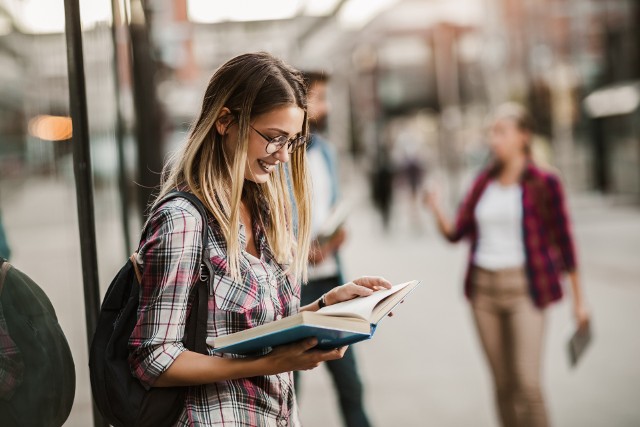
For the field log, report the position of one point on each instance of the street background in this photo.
(412, 85)
(424, 367)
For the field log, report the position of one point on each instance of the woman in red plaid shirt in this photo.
(516, 220)
(243, 157)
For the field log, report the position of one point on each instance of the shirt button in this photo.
(274, 283)
(283, 422)
(279, 316)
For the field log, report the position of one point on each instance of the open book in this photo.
(334, 326)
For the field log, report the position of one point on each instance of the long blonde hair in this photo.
(248, 85)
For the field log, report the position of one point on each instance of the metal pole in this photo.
(123, 184)
(82, 171)
(149, 119)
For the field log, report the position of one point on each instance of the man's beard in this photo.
(318, 124)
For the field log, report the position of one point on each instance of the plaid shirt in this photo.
(546, 228)
(169, 259)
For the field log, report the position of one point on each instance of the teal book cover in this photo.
(327, 339)
(334, 326)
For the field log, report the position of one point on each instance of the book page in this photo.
(361, 307)
(384, 307)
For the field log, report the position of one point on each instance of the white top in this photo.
(320, 208)
(499, 218)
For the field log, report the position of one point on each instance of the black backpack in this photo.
(37, 373)
(120, 397)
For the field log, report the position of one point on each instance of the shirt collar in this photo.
(259, 238)
(529, 171)
(243, 235)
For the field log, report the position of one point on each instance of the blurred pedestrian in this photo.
(382, 185)
(521, 241)
(325, 272)
(408, 156)
(252, 122)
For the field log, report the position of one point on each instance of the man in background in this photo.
(324, 263)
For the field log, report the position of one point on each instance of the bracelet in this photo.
(321, 302)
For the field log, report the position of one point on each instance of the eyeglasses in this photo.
(276, 143)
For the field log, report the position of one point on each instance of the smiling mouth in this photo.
(267, 167)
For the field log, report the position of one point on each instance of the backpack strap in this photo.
(196, 327)
(197, 204)
(134, 260)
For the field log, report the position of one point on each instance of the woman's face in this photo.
(287, 120)
(507, 140)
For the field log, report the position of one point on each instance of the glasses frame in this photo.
(293, 144)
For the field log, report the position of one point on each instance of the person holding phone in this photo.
(516, 219)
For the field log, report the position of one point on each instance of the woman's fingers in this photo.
(354, 290)
(301, 356)
(373, 282)
(583, 319)
(334, 354)
(431, 194)
(361, 287)
(427, 197)
(307, 344)
(315, 357)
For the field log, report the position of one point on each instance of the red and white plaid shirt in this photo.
(169, 259)
(546, 228)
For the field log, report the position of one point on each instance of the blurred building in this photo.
(431, 69)
(441, 62)
(552, 55)
(38, 197)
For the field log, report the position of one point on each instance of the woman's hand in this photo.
(580, 311)
(361, 287)
(582, 316)
(299, 356)
(431, 198)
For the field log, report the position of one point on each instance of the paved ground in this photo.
(424, 367)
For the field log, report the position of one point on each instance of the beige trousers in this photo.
(511, 331)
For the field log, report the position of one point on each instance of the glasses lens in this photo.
(280, 141)
(297, 143)
(276, 144)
